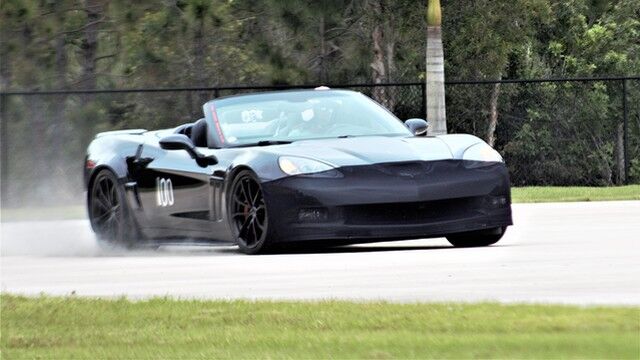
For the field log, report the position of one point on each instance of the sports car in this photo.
(316, 166)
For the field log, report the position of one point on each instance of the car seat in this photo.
(199, 133)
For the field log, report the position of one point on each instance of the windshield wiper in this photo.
(273, 142)
(345, 136)
(265, 143)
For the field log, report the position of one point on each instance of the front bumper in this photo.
(390, 201)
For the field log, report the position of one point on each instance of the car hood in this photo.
(368, 150)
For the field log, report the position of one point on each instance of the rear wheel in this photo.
(248, 213)
(108, 212)
(477, 238)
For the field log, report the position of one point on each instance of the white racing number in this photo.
(164, 192)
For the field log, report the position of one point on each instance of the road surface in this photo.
(578, 253)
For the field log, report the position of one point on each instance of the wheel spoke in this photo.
(254, 231)
(240, 192)
(104, 188)
(98, 194)
(247, 199)
(102, 217)
(237, 199)
(99, 203)
(106, 200)
(257, 197)
(97, 212)
(237, 214)
(113, 196)
(244, 228)
(250, 189)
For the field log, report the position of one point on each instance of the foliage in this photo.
(557, 133)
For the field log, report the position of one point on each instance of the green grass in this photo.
(574, 193)
(519, 195)
(43, 213)
(52, 327)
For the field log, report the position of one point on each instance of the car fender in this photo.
(111, 152)
(458, 143)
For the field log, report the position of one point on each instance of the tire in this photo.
(247, 214)
(109, 213)
(477, 238)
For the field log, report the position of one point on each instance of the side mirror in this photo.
(182, 142)
(417, 126)
(177, 142)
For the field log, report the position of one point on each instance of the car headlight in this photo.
(482, 152)
(293, 165)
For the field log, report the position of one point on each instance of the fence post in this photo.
(625, 116)
(4, 148)
(423, 109)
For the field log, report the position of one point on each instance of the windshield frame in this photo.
(218, 137)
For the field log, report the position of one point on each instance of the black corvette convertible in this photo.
(305, 166)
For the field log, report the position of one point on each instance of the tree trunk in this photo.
(620, 174)
(390, 56)
(380, 61)
(378, 66)
(199, 53)
(322, 71)
(95, 10)
(436, 112)
(493, 113)
(199, 56)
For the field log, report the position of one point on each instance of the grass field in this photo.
(49, 327)
(43, 213)
(574, 193)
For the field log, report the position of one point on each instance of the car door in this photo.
(175, 193)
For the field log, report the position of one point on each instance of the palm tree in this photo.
(436, 113)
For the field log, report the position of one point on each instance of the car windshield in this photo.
(302, 115)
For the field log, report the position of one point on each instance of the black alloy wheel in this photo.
(248, 213)
(108, 212)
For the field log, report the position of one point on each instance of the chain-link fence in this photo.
(556, 132)
(551, 132)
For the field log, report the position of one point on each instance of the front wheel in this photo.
(477, 238)
(109, 214)
(247, 213)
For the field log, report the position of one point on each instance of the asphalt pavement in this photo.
(578, 253)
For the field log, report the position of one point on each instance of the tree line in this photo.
(98, 44)
(72, 44)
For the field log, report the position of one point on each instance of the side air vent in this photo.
(216, 199)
